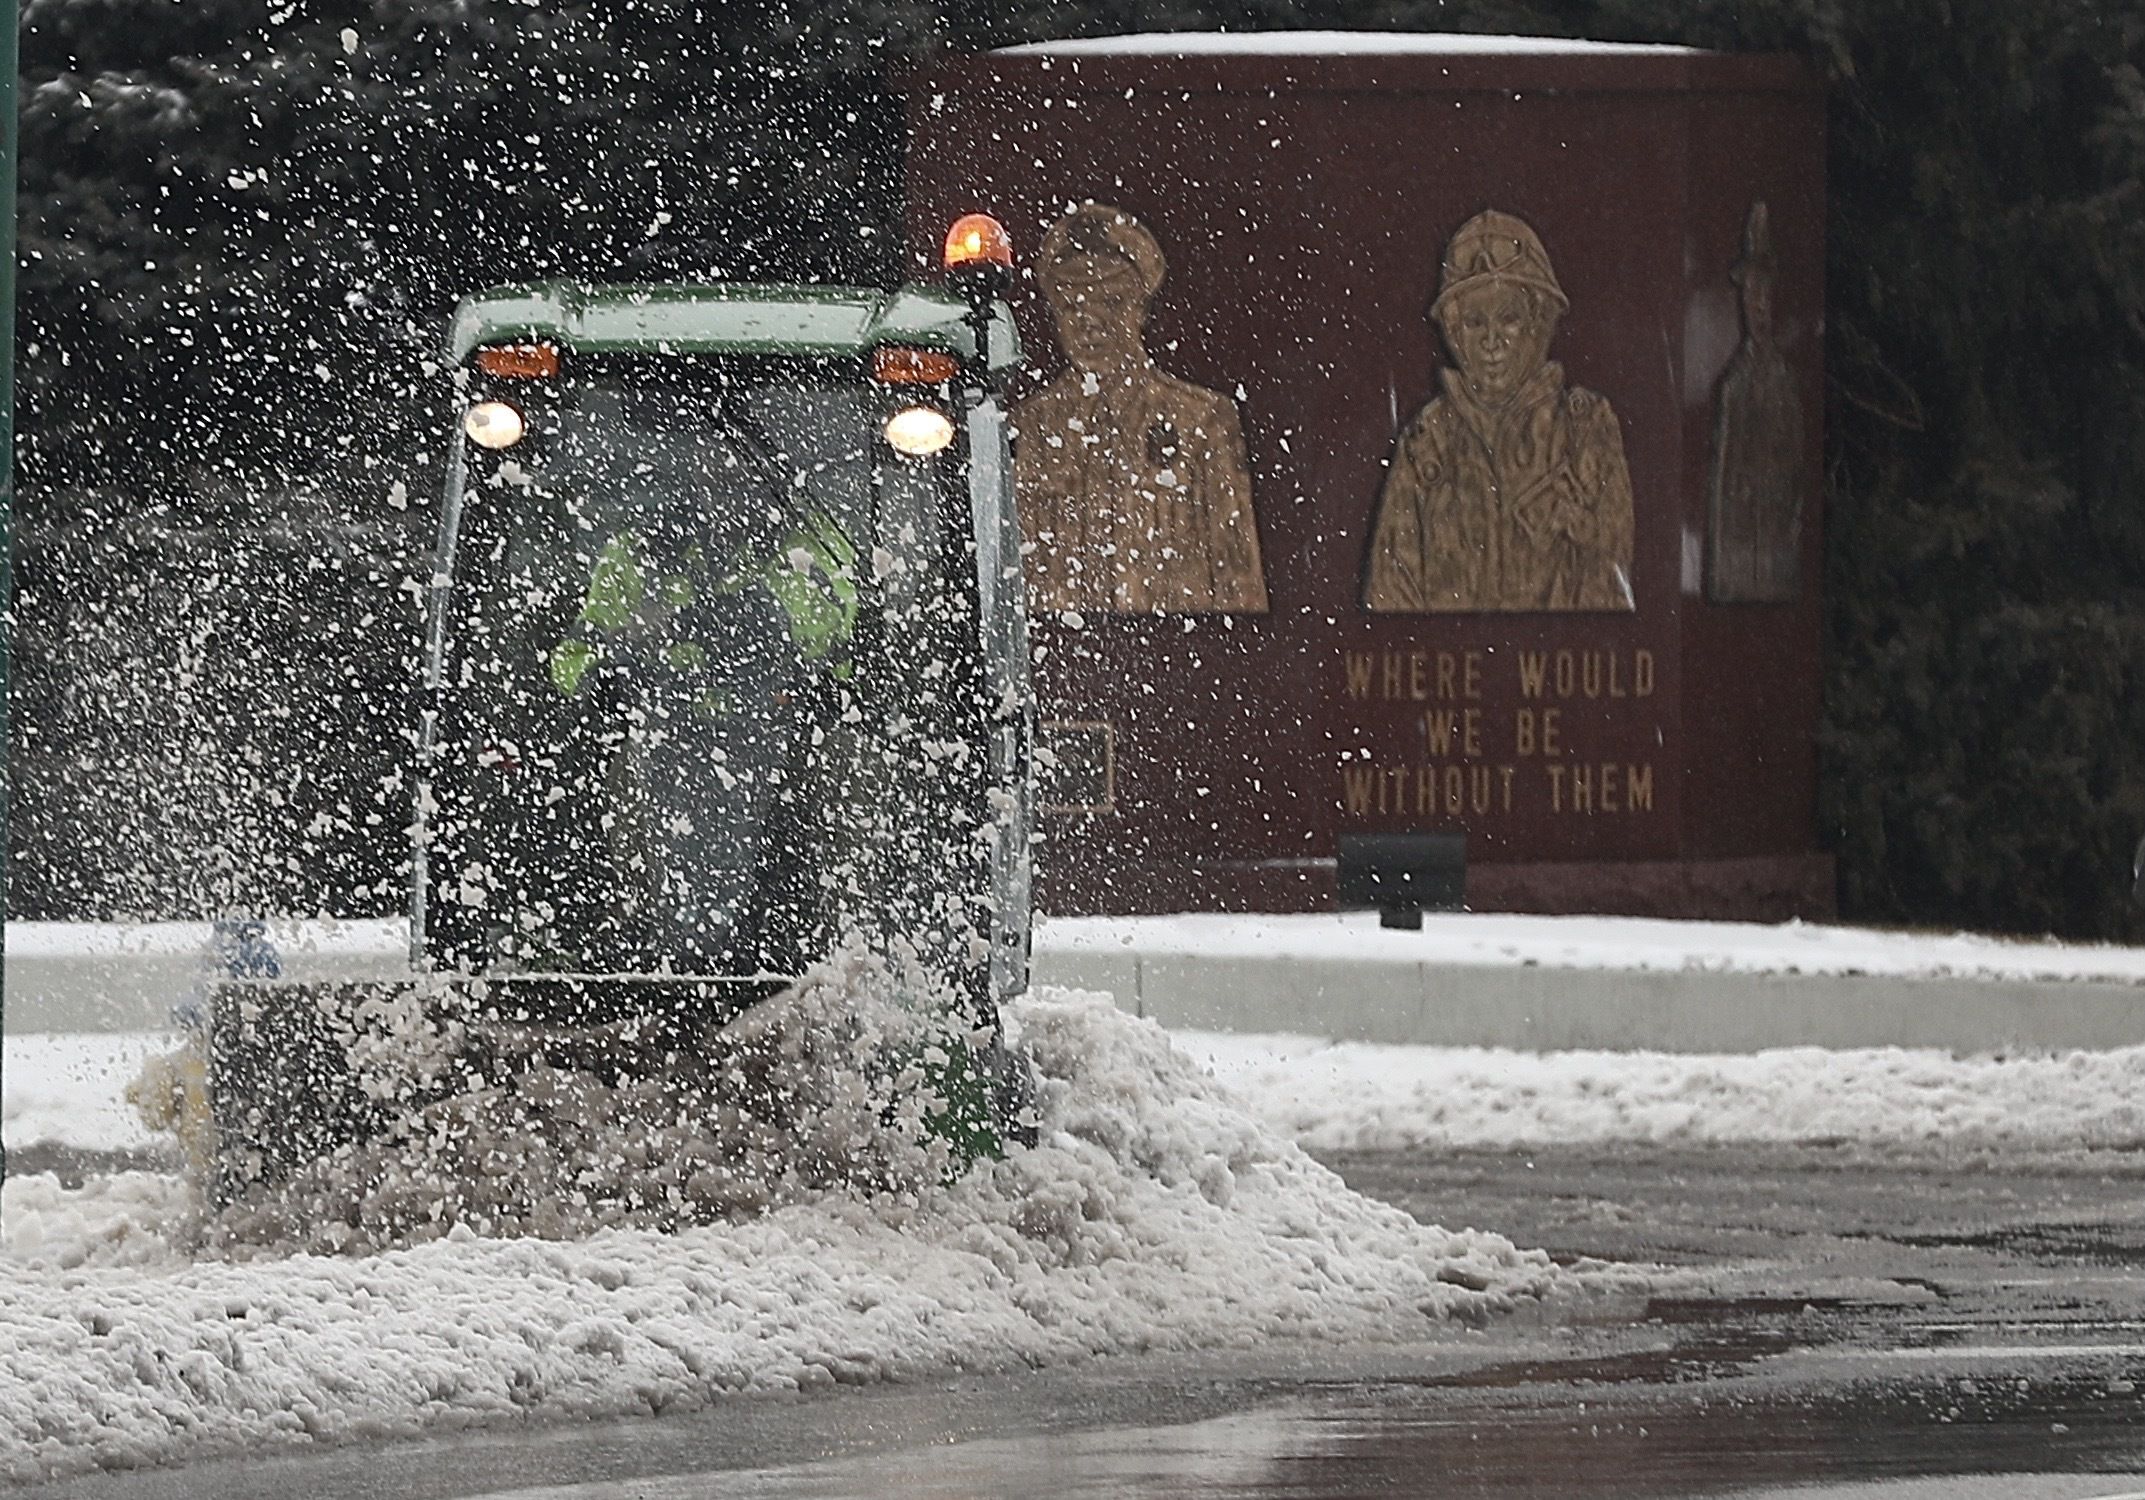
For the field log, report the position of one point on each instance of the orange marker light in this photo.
(892, 364)
(978, 240)
(519, 361)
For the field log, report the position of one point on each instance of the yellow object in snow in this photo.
(171, 1094)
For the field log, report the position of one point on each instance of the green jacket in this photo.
(811, 574)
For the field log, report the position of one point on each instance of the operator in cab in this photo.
(706, 649)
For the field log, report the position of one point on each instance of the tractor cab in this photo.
(726, 655)
(725, 667)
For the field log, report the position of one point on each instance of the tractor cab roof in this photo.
(724, 318)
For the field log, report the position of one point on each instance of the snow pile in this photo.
(1364, 1097)
(1154, 1215)
(124, 1219)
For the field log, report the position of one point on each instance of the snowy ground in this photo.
(1155, 1215)
(1171, 1206)
(66, 1089)
(1360, 1097)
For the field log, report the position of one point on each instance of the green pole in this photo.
(10, 132)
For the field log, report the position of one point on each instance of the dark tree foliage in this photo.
(243, 224)
(1986, 550)
(243, 227)
(272, 206)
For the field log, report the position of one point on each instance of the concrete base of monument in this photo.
(1552, 984)
(1756, 888)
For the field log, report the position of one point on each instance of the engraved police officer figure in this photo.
(1134, 488)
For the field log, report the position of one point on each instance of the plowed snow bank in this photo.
(1357, 1096)
(1156, 1214)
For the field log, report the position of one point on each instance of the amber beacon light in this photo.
(978, 240)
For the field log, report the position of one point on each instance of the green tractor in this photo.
(726, 666)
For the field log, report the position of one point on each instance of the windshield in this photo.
(726, 470)
(650, 666)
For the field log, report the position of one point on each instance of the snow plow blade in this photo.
(298, 1075)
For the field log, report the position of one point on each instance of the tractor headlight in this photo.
(919, 431)
(493, 424)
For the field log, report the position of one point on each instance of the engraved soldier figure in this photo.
(1508, 491)
(1134, 487)
(1755, 511)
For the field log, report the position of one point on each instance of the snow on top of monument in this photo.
(1487, 939)
(1337, 44)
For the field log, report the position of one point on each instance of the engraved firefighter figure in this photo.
(1134, 488)
(1508, 491)
(1754, 502)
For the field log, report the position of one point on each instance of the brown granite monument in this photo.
(1538, 568)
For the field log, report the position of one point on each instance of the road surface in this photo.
(1819, 1321)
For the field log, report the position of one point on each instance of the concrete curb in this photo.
(1347, 984)
(98, 977)
(1548, 1009)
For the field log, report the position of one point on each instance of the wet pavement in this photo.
(1816, 1321)
(1386, 1441)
